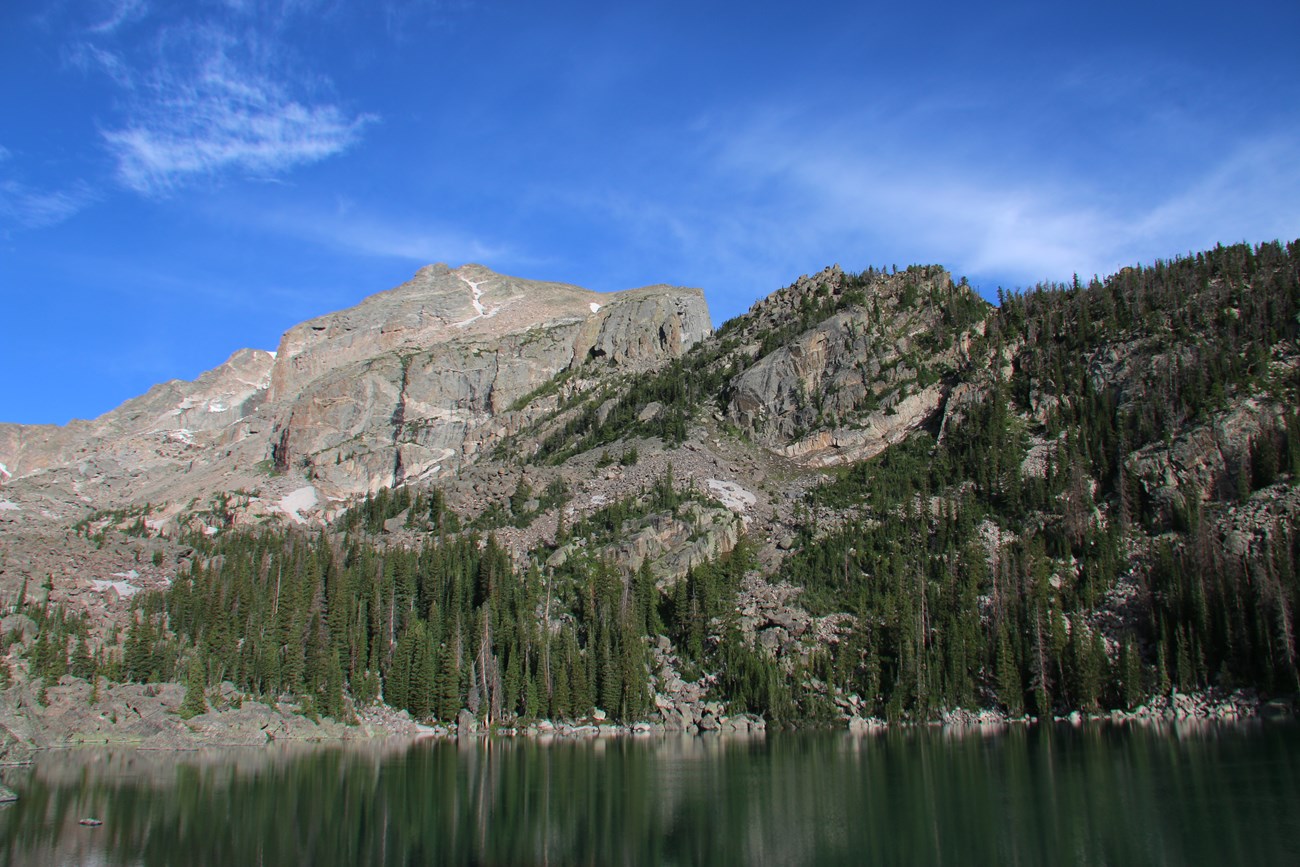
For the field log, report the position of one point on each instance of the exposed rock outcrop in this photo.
(74, 713)
(862, 377)
(441, 392)
(408, 383)
(685, 706)
(177, 412)
(1207, 463)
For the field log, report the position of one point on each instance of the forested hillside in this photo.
(1076, 499)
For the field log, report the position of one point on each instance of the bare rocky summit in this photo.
(423, 378)
(411, 384)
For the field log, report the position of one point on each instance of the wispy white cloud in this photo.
(28, 207)
(23, 205)
(220, 122)
(1250, 194)
(417, 241)
(213, 95)
(1028, 223)
(95, 59)
(119, 13)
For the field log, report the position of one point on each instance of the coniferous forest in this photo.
(1023, 550)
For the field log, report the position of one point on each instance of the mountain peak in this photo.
(439, 305)
(409, 382)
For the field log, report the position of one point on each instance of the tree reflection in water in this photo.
(1095, 795)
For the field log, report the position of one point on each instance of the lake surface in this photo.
(1023, 795)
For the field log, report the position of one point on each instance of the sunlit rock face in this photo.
(865, 376)
(423, 377)
(410, 383)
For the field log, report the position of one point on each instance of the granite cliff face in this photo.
(473, 307)
(873, 364)
(424, 377)
(410, 382)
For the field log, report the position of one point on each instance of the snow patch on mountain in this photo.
(124, 589)
(296, 502)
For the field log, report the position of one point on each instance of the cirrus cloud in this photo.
(207, 96)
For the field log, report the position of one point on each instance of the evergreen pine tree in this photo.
(421, 688)
(82, 664)
(195, 702)
(1010, 688)
(1130, 675)
(450, 699)
(332, 702)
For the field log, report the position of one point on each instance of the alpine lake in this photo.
(1022, 794)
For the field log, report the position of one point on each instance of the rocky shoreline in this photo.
(710, 719)
(1211, 706)
(75, 713)
(146, 717)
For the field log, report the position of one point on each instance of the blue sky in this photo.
(182, 179)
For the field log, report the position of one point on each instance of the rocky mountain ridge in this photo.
(873, 495)
(412, 382)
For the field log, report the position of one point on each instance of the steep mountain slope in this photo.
(208, 405)
(410, 383)
(871, 495)
(426, 375)
(844, 366)
(1104, 500)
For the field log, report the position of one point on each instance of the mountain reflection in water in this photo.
(1020, 795)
